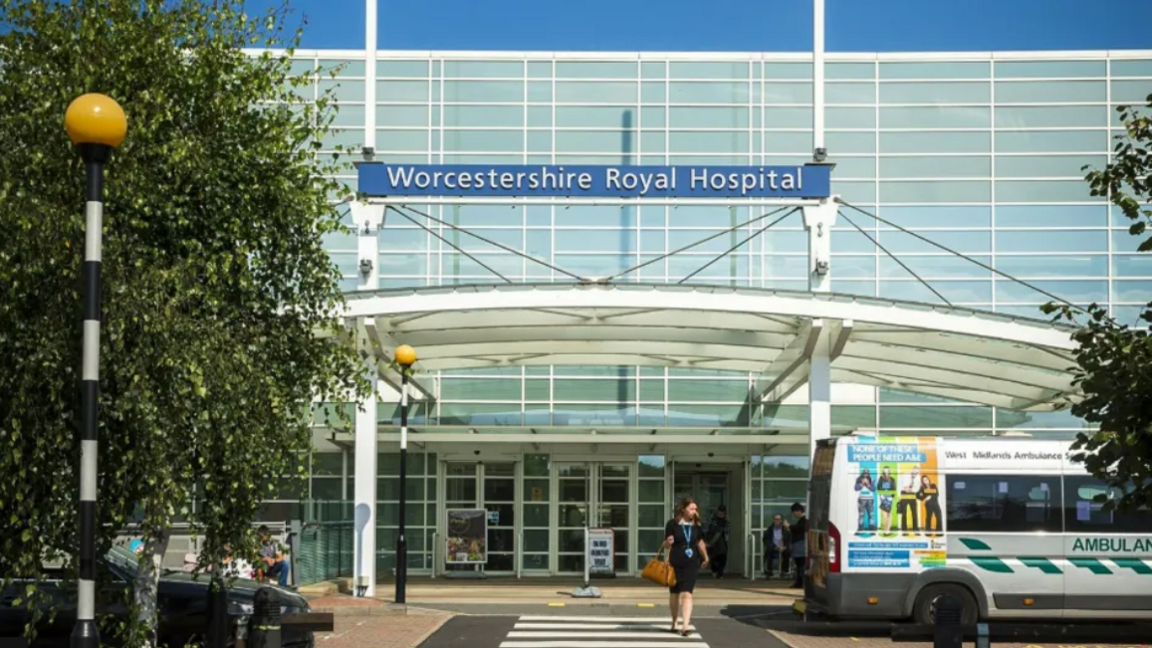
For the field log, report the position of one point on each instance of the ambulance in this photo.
(1009, 526)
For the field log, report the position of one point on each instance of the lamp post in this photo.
(405, 356)
(96, 124)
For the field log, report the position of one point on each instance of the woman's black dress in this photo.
(687, 567)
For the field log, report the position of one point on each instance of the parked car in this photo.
(181, 597)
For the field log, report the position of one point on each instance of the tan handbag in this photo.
(659, 571)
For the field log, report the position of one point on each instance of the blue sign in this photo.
(891, 559)
(883, 453)
(474, 180)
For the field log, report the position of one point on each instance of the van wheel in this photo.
(924, 611)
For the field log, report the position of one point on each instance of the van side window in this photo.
(1082, 513)
(1003, 503)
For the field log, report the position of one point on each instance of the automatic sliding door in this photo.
(572, 492)
(500, 503)
(614, 506)
(461, 492)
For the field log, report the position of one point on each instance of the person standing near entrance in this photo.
(718, 534)
(687, 552)
(777, 540)
(799, 542)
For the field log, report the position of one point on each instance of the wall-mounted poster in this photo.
(467, 532)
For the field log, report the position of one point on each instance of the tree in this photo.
(1114, 359)
(216, 281)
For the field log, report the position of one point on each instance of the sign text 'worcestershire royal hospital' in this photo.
(800, 181)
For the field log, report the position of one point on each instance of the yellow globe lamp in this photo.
(405, 355)
(94, 118)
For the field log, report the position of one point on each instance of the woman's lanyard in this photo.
(686, 529)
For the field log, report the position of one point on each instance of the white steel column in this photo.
(364, 539)
(366, 220)
(370, 77)
(817, 79)
(819, 221)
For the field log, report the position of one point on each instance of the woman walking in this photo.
(687, 552)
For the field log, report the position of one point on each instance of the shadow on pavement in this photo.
(783, 619)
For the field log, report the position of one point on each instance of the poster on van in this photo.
(896, 492)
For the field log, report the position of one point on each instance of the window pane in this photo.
(936, 216)
(483, 116)
(595, 70)
(1025, 267)
(386, 68)
(1077, 292)
(1131, 91)
(935, 267)
(788, 70)
(1046, 116)
(935, 93)
(936, 117)
(936, 167)
(1052, 241)
(936, 191)
(850, 93)
(1047, 216)
(1004, 504)
(402, 91)
(1132, 68)
(1132, 265)
(836, 118)
(787, 93)
(935, 142)
(708, 69)
(1041, 166)
(1058, 69)
(1083, 514)
(934, 70)
(1091, 141)
(507, 91)
(850, 70)
(713, 117)
(1050, 91)
(708, 92)
(1044, 191)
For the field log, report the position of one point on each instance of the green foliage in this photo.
(215, 280)
(1114, 360)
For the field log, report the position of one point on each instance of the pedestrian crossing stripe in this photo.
(598, 632)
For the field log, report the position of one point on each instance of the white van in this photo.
(1009, 526)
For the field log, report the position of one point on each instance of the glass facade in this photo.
(982, 155)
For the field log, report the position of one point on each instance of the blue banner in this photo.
(885, 453)
(702, 181)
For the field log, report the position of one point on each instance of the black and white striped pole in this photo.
(96, 124)
(405, 356)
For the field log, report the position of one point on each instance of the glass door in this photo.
(499, 500)
(614, 510)
(573, 496)
(460, 492)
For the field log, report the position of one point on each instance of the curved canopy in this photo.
(963, 354)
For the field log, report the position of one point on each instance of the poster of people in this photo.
(897, 493)
(467, 537)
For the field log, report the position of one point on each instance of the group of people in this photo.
(786, 546)
(914, 490)
(692, 545)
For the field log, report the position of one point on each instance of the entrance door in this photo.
(615, 509)
(573, 494)
(711, 487)
(710, 490)
(491, 487)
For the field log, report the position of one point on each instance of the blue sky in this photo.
(729, 25)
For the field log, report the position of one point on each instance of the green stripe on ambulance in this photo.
(1095, 565)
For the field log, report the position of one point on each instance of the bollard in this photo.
(264, 625)
(949, 614)
(217, 614)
